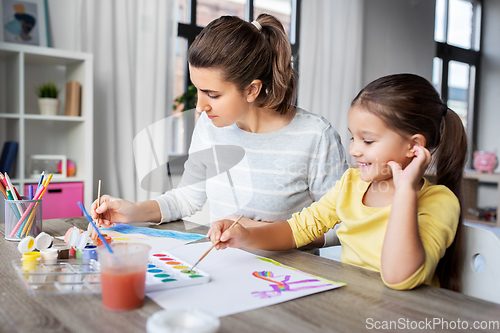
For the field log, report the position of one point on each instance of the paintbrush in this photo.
(99, 198)
(213, 245)
(90, 229)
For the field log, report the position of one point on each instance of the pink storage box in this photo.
(60, 200)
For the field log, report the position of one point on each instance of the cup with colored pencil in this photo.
(23, 215)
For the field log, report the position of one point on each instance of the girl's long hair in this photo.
(410, 105)
(244, 53)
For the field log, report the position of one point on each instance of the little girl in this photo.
(393, 220)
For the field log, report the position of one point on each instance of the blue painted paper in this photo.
(150, 232)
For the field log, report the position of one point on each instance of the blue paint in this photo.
(89, 252)
(128, 229)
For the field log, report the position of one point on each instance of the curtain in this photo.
(330, 59)
(133, 43)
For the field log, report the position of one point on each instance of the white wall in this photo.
(398, 38)
(489, 103)
(67, 13)
(489, 106)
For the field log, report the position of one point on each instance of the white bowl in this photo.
(182, 321)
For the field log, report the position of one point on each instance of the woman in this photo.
(246, 92)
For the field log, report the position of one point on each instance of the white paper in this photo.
(235, 286)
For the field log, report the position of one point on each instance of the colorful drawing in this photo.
(24, 22)
(121, 228)
(234, 287)
(274, 262)
(279, 287)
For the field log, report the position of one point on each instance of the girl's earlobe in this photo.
(410, 153)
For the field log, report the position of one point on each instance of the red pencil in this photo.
(4, 181)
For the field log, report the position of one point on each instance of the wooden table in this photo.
(364, 304)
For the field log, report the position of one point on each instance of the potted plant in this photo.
(47, 98)
(186, 101)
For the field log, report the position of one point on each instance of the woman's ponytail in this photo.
(282, 91)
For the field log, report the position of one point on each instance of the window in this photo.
(196, 14)
(458, 34)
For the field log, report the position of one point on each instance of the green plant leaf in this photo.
(47, 90)
(188, 99)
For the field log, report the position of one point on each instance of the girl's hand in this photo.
(113, 210)
(238, 236)
(414, 171)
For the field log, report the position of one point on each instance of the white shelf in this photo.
(40, 117)
(488, 178)
(483, 177)
(55, 180)
(56, 118)
(9, 115)
(22, 67)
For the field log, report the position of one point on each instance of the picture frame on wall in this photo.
(24, 22)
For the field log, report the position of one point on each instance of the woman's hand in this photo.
(238, 236)
(113, 210)
(414, 171)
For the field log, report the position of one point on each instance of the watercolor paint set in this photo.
(167, 272)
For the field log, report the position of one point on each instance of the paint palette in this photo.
(167, 272)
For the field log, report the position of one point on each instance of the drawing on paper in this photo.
(119, 230)
(279, 286)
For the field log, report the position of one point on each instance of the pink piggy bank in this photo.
(485, 161)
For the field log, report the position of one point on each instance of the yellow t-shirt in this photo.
(363, 228)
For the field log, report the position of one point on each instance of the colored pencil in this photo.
(12, 205)
(6, 183)
(41, 179)
(3, 181)
(213, 245)
(25, 222)
(13, 193)
(2, 189)
(21, 219)
(29, 221)
(26, 230)
(25, 219)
